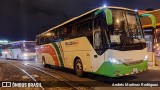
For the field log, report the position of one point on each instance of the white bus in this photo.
(105, 41)
(20, 50)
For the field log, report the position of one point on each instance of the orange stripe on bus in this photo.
(49, 49)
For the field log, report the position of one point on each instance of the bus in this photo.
(2, 42)
(107, 41)
(152, 35)
(20, 50)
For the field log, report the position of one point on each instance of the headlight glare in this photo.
(115, 61)
(25, 55)
(145, 58)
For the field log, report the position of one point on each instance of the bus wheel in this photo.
(43, 62)
(79, 68)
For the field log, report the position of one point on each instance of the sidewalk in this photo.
(156, 67)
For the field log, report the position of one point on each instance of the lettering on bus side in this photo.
(71, 43)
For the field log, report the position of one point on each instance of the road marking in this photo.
(27, 74)
(27, 77)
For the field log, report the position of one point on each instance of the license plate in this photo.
(135, 70)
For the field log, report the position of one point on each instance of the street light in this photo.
(104, 6)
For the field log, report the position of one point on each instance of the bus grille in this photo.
(133, 62)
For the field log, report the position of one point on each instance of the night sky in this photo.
(24, 19)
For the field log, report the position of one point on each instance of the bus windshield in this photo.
(29, 47)
(125, 28)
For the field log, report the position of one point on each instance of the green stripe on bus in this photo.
(108, 68)
(59, 54)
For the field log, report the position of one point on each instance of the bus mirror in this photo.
(98, 11)
(108, 14)
(153, 19)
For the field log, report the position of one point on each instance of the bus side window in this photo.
(65, 35)
(84, 28)
(57, 35)
(97, 40)
(69, 31)
(79, 29)
(87, 28)
(74, 33)
(42, 40)
(45, 39)
(88, 31)
(61, 33)
(37, 41)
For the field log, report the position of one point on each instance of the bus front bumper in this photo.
(117, 70)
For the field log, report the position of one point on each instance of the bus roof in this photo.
(111, 7)
(145, 12)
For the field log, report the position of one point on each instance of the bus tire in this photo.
(78, 67)
(44, 62)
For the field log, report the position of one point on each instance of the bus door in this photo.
(98, 56)
(99, 41)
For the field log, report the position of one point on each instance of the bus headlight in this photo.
(115, 61)
(5, 52)
(145, 58)
(25, 55)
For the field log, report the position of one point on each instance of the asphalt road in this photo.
(9, 72)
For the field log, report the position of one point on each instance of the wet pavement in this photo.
(8, 72)
(17, 72)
